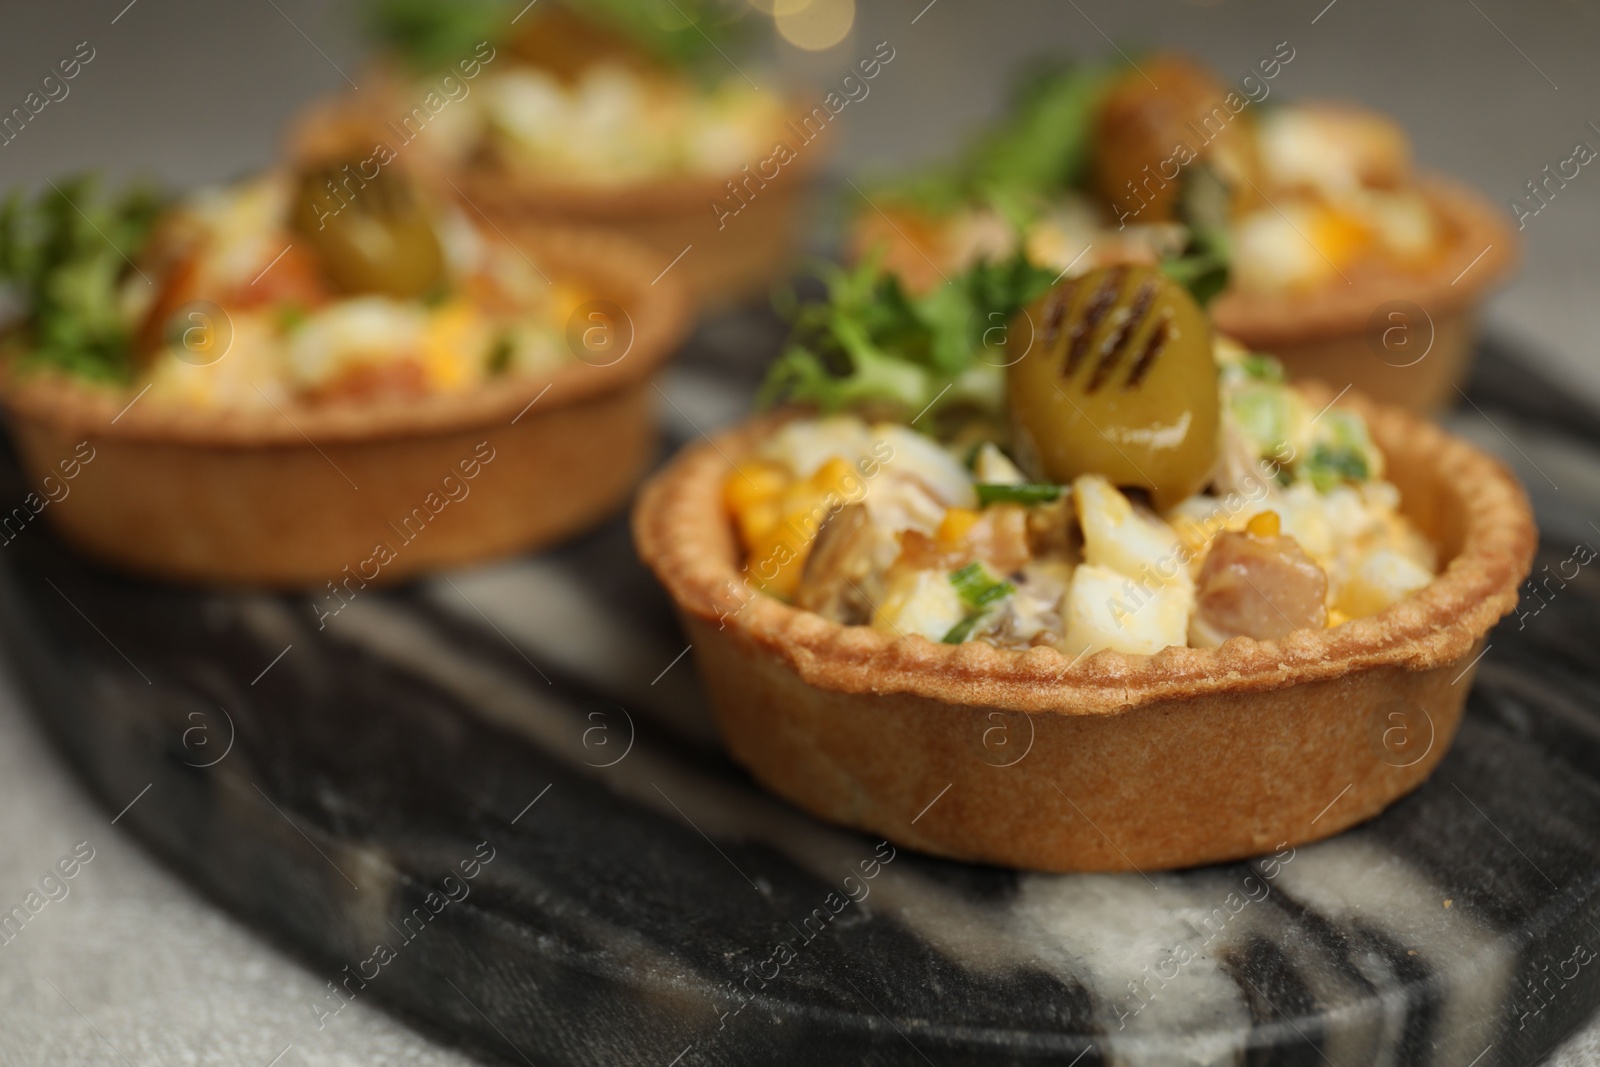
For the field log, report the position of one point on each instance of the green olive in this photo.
(1158, 119)
(370, 235)
(1118, 379)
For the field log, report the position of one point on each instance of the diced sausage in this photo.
(1260, 587)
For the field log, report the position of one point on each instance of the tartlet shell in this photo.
(302, 496)
(1149, 762)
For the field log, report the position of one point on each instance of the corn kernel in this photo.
(1264, 524)
(754, 483)
(837, 475)
(955, 526)
(1339, 235)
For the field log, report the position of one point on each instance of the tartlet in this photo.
(1189, 756)
(992, 667)
(711, 201)
(1346, 263)
(357, 490)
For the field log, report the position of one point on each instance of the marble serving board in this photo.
(493, 802)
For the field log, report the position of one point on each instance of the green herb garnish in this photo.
(65, 256)
(1343, 451)
(291, 317)
(978, 587)
(428, 35)
(1019, 493)
(870, 344)
(979, 591)
(431, 35)
(1329, 465)
(962, 630)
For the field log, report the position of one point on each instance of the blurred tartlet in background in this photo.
(606, 113)
(307, 376)
(1307, 223)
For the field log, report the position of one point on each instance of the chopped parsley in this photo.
(871, 344)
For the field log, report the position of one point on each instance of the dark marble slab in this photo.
(644, 903)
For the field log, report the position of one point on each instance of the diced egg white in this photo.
(1106, 609)
(992, 467)
(920, 602)
(1117, 537)
(923, 458)
(370, 329)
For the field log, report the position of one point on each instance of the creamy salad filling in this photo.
(582, 92)
(614, 124)
(335, 284)
(299, 334)
(875, 524)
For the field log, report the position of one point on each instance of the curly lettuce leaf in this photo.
(65, 256)
(870, 344)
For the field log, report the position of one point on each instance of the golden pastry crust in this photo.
(290, 497)
(1199, 754)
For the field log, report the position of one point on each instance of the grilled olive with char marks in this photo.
(1119, 380)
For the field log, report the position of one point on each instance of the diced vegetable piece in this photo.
(920, 602)
(1019, 493)
(991, 466)
(1329, 465)
(1342, 450)
(1263, 412)
(1117, 537)
(1105, 609)
(1262, 367)
(963, 629)
(978, 587)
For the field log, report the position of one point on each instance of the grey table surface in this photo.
(134, 967)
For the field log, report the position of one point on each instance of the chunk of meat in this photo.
(1256, 586)
(838, 568)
